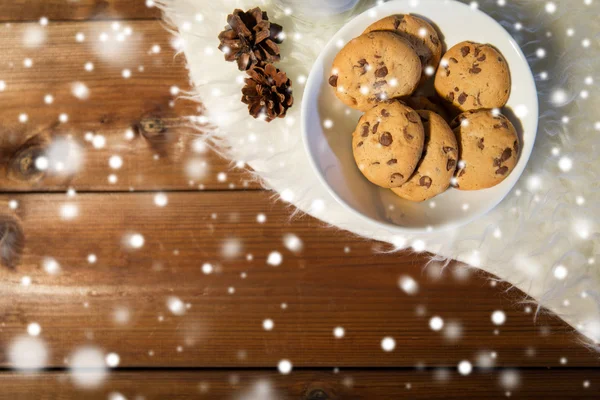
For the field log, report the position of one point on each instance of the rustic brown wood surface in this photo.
(163, 152)
(33, 10)
(127, 301)
(335, 280)
(353, 384)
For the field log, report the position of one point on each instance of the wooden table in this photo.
(178, 331)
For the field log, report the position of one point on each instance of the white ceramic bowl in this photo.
(327, 124)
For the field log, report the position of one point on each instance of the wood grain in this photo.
(164, 151)
(335, 280)
(312, 385)
(33, 10)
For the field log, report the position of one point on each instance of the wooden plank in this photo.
(162, 152)
(120, 303)
(312, 385)
(33, 10)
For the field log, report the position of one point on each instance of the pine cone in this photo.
(250, 39)
(268, 91)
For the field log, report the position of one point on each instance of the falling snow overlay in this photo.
(541, 238)
(151, 279)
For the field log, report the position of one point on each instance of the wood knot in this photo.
(152, 128)
(22, 166)
(12, 241)
(317, 394)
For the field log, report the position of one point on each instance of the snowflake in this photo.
(175, 305)
(34, 329)
(268, 324)
(161, 199)
(339, 332)
(112, 360)
(464, 368)
(408, 285)
(292, 242)
(284, 367)
(274, 258)
(388, 344)
(560, 272)
(87, 367)
(498, 317)
(436, 323)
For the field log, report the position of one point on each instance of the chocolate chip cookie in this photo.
(387, 143)
(419, 33)
(438, 162)
(488, 148)
(375, 67)
(473, 76)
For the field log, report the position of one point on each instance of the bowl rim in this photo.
(528, 78)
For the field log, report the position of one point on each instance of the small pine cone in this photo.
(250, 39)
(268, 92)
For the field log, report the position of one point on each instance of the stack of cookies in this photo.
(419, 146)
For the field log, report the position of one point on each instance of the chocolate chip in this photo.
(365, 130)
(480, 144)
(333, 80)
(359, 144)
(465, 50)
(456, 89)
(462, 98)
(450, 164)
(407, 135)
(412, 117)
(497, 162)
(377, 56)
(451, 96)
(477, 51)
(374, 130)
(506, 154)
(516, 147)
(462, 172)
(381, 72)
(482, 58)
(454, 60)
(457, 121)
(425, 181)
(434, 40)
(500, 59)
(392, 161)
(385, 113)
(448, 149)
(397, 22)
(502, 124)
(379, 84)
(386, 139)
(396, 175)
(362, 64)
(502, 170)
(475, 69)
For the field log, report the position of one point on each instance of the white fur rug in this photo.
(542, 238)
